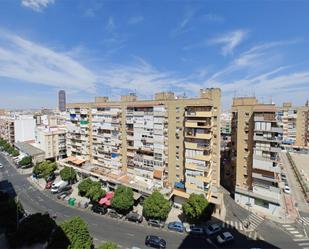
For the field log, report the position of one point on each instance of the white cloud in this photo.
(140, 77)
(37, 5)
(135, 20)
(229, 40)
(182, 26)
(25, 60)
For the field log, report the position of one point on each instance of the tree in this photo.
(123, 199)
(196, 207)
(45, 169)
(68, 174)
(25, 161)
(15, 153)
(36, 228)
(156, 206)
(95, 191)
(84, 186)
(71, 234)
(108, 245)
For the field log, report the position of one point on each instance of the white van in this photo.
(58, 186)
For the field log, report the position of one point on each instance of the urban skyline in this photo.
(257, 50)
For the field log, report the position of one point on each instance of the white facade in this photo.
(52, 140)
(24, 127)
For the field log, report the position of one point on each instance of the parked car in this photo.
(213, 229)
(176, 226)
(48, 185)
(155, 223)
(135, 217)
(99, 209)
(155, 241)
(287, 189)
(62, 195)
(51, 178)
(58, 186)
(195, 230)
(66, 189)
(283, 177)
(1, 166)
(225, 238)
(112, 213)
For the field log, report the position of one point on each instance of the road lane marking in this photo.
(130, 234)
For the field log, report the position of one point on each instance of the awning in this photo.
(157, 174)
(180, 193)
(106, 199)
(75, 160)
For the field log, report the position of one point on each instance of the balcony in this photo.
(197, 124)
(264, 177)
(196, 146)
(193, 187)
(202, 114)
(266, 139)
(200, 157)
(206, 179)
(199, 135)
(266, 165)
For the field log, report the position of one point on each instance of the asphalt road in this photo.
(103, 228)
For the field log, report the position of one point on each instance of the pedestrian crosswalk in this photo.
(302, 243)
(233, 224)
(252, 221)
(303, 221)
(293, 231)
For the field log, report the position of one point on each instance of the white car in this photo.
(1, 166)
(213, 228)
(225, 237)
(287, 189)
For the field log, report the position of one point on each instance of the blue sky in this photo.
(108, 48)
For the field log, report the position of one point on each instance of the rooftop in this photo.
(28, 149)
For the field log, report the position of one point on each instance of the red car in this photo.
(48, 185)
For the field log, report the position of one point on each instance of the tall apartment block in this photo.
(295, 124)
(166, 143)
(256, 140)
(61, 101)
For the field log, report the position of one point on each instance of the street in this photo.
(124, 233)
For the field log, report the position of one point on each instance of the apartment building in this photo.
(52, 140)
(256, 140)
(17, 128)
(295, 124)
(165, 143)
(7, 130)
(225, 123)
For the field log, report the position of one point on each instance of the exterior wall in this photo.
(52, 141)
(149, 138)
(24, 129)
(269, 208)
